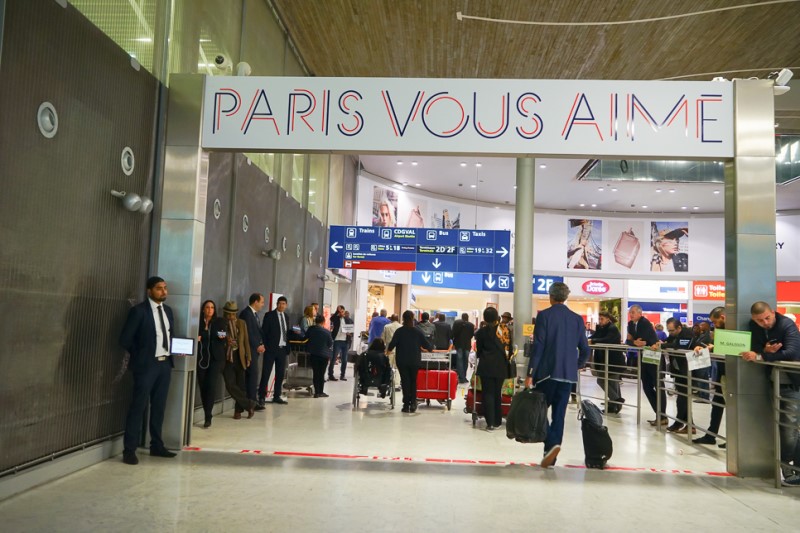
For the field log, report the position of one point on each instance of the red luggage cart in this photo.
(435, 380)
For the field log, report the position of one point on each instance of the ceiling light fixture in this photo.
(672, 190)
(613, 189)
(473, 186)
(684, 207)
(644, 207)
(463, 164)
(478, 165)
(414, 163)
(716, 192)
(600, 189)
(399, 162)
(542, 166)
(418, 185)
(594, 205)
(695, 208)
(582, 205)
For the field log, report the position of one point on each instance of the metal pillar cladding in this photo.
(181, 239)
(750, 271)
(523, 249)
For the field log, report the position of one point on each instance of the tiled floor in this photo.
(318, 465)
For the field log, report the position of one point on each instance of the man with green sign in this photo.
(776, 338)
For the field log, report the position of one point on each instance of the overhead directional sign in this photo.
(479, 282)
(426, 249)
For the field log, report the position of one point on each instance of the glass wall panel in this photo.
(263, 41)
(292, 175)
(336, 191)
(203, 30)
(318, 185)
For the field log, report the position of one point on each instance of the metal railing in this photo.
(786, 415)
(615, 373)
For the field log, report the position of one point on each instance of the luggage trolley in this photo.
(375, 380)
(436, 380)
(299, 374)
(474, 397)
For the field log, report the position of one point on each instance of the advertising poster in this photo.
(584, 244)
(629, 246)
(669, 247)
(445, 216)
(613, 307)
(384, 207)
(413, 210)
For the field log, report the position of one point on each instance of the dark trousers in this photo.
(681, 401)
(649, 380)
(339, 349)
(556, 394)
(207, 381)
(718, 397)
(408, 378)
(318, 366)
(492, 402)
(148, 385)
(233, 374)
(252, 376)
(276, 358)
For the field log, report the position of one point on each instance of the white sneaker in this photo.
(549, 458)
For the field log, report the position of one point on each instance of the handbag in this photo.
(627, 248)
(527, 418)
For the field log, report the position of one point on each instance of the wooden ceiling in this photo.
(423, 38)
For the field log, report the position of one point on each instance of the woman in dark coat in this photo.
(492, 352)
(408, 342)
(210, 355)
(608, 333)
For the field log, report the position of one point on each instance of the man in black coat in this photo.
(443, 333)
(276, 341)
(319, 345)
(642, 334)
(252, 374)
(463, 331)
(146, 336)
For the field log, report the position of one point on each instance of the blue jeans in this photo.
(790, 440)
(462, 356)
(339, 348)
(557, 395)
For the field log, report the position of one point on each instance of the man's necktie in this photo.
(283, 326)
(164, 336)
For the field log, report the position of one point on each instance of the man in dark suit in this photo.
(146, 336)
(463, 331)
(274, 330)
(253, 373)
(560, 349)
(642, 334)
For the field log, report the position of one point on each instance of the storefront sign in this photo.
(595, 287)
(658, 290)
(731, 342)
(788, 291)
(708, 290)
(469, 116)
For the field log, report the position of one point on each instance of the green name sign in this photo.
(731, 342)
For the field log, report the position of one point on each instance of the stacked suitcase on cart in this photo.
(475, 401)
(436, 380)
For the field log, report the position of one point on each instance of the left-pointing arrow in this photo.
(336, 247)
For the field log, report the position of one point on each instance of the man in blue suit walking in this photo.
(146, 336)
(559, 350)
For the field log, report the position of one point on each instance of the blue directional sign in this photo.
(426, 249)
(479, 282)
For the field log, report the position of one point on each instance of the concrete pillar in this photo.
(523, 249)
(179, 245)
(750, 273)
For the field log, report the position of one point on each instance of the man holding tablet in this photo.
(146, 337)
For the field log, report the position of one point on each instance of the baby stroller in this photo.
(370, 374)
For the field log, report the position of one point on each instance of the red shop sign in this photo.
(595, 286)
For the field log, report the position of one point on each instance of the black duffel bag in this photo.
(527, 418)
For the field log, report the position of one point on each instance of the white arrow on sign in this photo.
(489, 282)
(336, 247)
(502, 251)
(436, 263)
(426, 277)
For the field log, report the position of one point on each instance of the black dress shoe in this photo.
(342, 379)
(405, 409)
(321, 395)
(129, 458)
(161, 452)
(279, 401)
(259, 407)
(705, 439)
(331, 378)
(207, 423)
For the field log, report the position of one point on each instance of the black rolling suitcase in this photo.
(597, 445)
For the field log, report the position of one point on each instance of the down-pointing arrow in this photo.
(502, 251)
(489, 282)
(336, 247)
(426, 277)
(436, 263)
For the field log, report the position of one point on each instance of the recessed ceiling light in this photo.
(600, 189)
(399, 162)
(716, 192)
(405, 184)
(542, 166)
(418, 185)
(473, 186)
(150, 40)
(672, 190)
(684, 207)
(594, 205)
(644, 207)
(613, 189)
(515, 186)
(582, 205)
(695, 208)
(478, 165)
(463, 164)
(414, 163)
